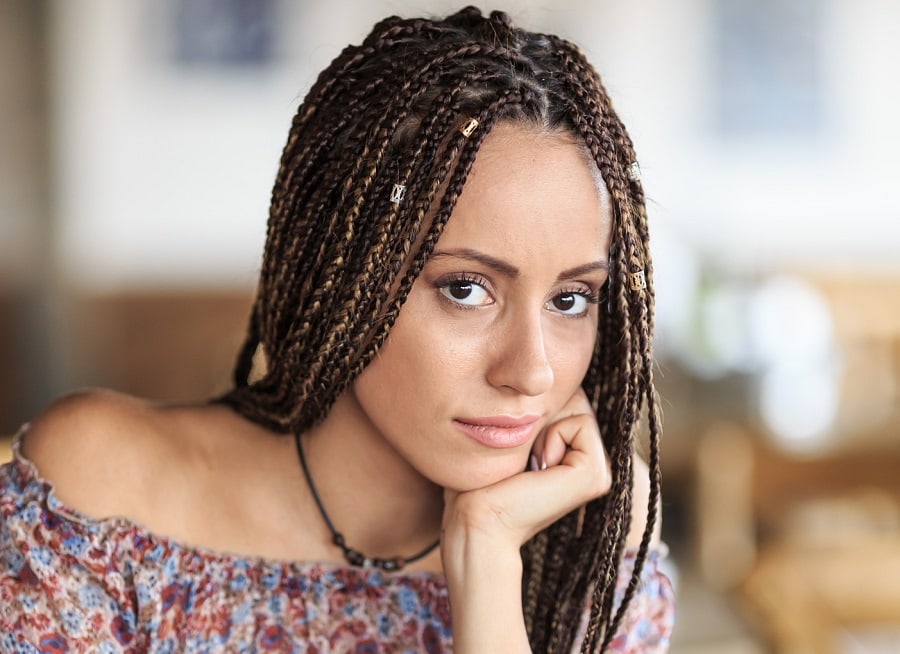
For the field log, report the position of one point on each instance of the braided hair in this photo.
(340, 259)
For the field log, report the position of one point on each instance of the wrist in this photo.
(484, 579)
(467, 551)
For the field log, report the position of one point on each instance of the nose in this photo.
(520, 360)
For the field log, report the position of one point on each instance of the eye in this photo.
(571, 303)
(465, 292)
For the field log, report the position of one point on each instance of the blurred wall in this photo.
(27, 224)
(140, 141)
(163, 165)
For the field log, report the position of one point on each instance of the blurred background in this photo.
(139, 141)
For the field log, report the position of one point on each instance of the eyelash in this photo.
(590, 296)
(469, 278)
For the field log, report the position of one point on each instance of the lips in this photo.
(498, 432)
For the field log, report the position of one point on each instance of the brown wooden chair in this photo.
(809, 544)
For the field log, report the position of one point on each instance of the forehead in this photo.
(527, 184)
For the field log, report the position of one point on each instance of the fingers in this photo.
(541, 457)
(569, 467)
(575, 442)
(524, 504)
(554, 442)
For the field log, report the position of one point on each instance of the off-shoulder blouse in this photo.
(69, 583)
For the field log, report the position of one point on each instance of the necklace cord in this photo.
(355, 557)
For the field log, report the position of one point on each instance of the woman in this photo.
(435, 445)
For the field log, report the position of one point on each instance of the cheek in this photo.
(574, 351)
(420, 360)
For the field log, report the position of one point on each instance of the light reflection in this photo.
(792, 334)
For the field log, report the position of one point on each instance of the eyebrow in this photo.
(510, 270)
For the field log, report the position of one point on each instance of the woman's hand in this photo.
(484, 528)
(571, 469)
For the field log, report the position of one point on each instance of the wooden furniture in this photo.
(810, 545)
(805, 595)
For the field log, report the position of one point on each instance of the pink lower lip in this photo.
(497, 436)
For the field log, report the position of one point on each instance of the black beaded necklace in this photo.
(355, 557)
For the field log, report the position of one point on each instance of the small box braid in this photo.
(340, 259)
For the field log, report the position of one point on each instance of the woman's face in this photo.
(498, 329)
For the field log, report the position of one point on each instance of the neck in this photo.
(381, 505)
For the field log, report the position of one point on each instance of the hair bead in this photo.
(468, 127)
(638, 281)
(634, 171)
(397, 193)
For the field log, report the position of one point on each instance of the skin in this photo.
(502, 320)
(499, 323)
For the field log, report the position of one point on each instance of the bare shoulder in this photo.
(98, 448)
(640, 497)
(88, 426)
(178, 470)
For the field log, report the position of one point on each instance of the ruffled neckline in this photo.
(121, 532)
(146, 540)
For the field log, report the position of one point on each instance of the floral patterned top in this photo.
(69, 583)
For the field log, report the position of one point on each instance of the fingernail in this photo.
(543, 463)
(533, 463)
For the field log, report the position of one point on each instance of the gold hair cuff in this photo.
(638, 281)
(468, 126)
